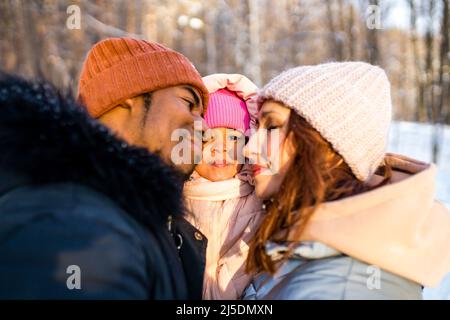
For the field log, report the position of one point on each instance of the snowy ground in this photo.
(414, 140)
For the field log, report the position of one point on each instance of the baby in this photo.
(220, 194)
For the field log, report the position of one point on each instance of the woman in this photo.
(344, 219)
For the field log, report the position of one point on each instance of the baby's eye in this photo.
(233, 138)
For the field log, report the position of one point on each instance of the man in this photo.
(82, 213)
(144, 92)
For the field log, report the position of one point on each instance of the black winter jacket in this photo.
(82, 214)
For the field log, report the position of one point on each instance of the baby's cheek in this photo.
(236, 153)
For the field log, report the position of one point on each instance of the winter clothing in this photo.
(227, 212)
(348, 103)
(331, 278)
(229, 222)
(71, 193)
(191, 244)
(227, 110)
(395, 234)
(120, 68)
(397, 229)
(239, 84)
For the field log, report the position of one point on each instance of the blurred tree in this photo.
(373, 55)
(418, 68)
(259, 38)
(439, 106)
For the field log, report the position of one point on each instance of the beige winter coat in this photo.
(399, 227)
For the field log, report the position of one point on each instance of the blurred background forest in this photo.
(260, 38)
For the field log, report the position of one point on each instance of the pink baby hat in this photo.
(227, 110)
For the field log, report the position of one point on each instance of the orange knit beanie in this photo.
(121, 68)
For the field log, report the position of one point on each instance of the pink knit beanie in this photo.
(227, 110)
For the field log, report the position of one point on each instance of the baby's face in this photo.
(222, 154)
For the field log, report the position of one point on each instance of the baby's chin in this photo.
(214, 173)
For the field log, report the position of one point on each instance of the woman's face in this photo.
(222, 154)
(270, 149)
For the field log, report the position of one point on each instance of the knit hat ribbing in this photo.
(348, 103)
(227, 110)
(120, 68)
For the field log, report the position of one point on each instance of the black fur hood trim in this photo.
(47, 137)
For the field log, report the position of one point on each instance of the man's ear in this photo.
(135, 106)
(117, 116)
(127, 104)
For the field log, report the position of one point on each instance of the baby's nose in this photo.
(219, 147)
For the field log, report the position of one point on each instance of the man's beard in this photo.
(183, 174)
(183, 171)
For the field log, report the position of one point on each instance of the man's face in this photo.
(170, 109)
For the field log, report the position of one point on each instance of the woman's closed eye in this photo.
(272, 126)
(268, 123)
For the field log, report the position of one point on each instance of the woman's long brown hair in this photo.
(317, 174)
